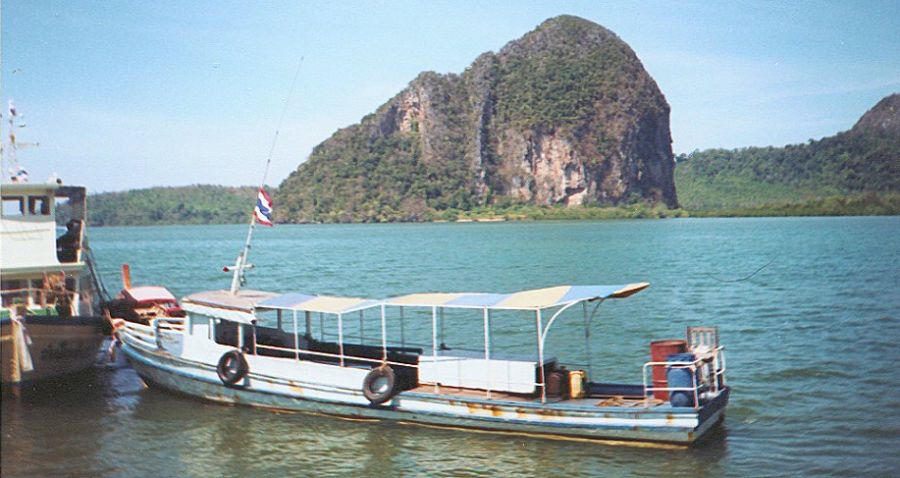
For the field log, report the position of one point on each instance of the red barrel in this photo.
(659, 350)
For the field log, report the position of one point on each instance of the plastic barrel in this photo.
(680, 376)
(659, 351)
(576, 384)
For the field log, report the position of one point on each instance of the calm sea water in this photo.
(812, 343)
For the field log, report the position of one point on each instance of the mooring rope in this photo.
(743, 278)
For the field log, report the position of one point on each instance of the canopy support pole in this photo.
(402, 330)
(362, 341)
(296, 339)
(341, 337)
(487, 351)
(321, 326)
(587, 339)
(540, 344)
(434, 345)
(546, 329)
(383, 337)
(587, 336)
(308, 315)
(443, 343)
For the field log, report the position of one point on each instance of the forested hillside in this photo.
(199, 204)
(864, 161)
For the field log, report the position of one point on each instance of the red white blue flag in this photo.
(263, 209)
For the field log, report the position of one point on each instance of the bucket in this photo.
(680, 376)
(659, 351)
(576, 384)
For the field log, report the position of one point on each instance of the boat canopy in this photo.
(241, 306)
(223, 304)
(317, 303)
(536, 299)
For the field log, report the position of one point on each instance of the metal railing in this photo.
(30, 298)
(707, 375)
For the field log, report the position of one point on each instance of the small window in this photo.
(39, 206)
(13, 206)
(226, 333)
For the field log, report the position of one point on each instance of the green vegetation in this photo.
(866, 204)
(525, 212)
(857, 170)
(199, 204)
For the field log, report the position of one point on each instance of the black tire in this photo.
(232, 367)
(378, 386)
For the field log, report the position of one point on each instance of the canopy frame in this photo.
(441, 302)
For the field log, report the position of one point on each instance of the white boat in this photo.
(352, 357)
(50, 319)
(319, 354)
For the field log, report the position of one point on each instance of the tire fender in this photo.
(232, 367)
(378, 386)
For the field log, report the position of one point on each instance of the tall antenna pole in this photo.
(240, 264)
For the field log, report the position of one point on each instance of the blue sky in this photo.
(131, 94)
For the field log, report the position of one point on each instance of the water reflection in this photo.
(53, 429)
(812, 358)
(182, 436)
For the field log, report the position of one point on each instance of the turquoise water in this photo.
(812, 342)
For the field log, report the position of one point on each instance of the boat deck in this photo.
(468, 393)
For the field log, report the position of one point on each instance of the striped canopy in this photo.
(317, 303)
(526, 300)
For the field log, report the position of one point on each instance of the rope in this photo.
(98, 280)
(280, 122)
(743, 278)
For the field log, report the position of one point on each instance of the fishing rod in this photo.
(240, 264)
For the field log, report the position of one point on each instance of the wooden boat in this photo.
(248, 347)
(50, 318)
(353, 357)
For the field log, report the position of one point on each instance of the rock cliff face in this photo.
(564, 115)
(883, 118)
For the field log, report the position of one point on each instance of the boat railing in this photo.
(26, 299)
(342, 359)
(707, 373)
(169, 323)
(146, 334)
(151, 334)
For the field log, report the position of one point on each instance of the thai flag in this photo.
(263, 209)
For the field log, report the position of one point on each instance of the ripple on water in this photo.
(812, 358)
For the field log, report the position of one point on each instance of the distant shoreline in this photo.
(837, 206)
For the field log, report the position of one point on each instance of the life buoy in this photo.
(378, 386)
(232, 367)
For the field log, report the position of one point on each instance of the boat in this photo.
(51, 323)
(296, 352)
(354, 358)
(50, 316)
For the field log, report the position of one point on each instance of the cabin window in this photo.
(226, 333)
(13, 206)
(39, 205)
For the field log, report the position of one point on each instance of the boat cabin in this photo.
(42, 264)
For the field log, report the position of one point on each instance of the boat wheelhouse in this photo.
(359, 358)
(50, 317)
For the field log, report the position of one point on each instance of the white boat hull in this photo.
(303, 386)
